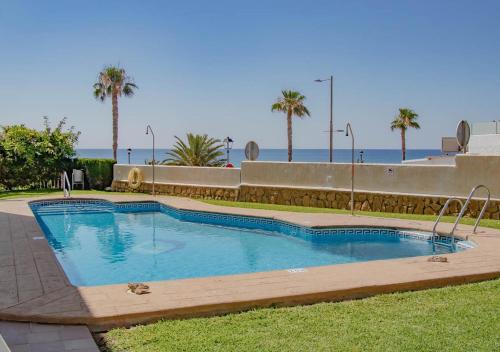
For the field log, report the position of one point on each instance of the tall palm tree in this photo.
(200, 150)
(113, 82)
(407, 118)
(291, 103)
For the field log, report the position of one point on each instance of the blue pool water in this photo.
(100, 243)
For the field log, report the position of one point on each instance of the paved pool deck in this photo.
(34, 287)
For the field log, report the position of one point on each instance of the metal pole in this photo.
(154, 162)
(349, 130)
(148, 128)
(331, 118)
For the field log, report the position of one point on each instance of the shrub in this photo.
(31, 158)
(98, 172)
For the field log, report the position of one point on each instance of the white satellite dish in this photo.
(252, 151)
(463, 134)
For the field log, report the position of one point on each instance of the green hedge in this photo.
(98, 172)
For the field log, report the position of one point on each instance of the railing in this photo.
(66, 185)
(464, 208)
(441, 213)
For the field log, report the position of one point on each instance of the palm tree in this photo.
(200, 150)
(291, 103)
(113, 82)
(407, 118)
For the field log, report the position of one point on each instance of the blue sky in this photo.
(216, 67)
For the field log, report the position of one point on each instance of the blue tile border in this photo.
(240, 221)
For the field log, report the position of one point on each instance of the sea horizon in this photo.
(237, 155)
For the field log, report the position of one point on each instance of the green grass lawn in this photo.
(44, 192)
(459, 318)
(469, 221)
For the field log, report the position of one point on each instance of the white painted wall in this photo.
(432, 160)
(442, 180)
(184, 175)
(485, 144)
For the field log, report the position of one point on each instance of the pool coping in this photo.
(40, 291)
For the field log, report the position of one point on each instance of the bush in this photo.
(32, 158)
(98, 172)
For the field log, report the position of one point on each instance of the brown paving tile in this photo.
(73, 332)
(28, 282)
(37, 328)
(7, 273)
(57, 346)
(71, 345)
(27, 295)
(46, 336)
(16, 338)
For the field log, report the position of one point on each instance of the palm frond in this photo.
(113, 80)
(407, 118)
(198, 150)
(291, 101)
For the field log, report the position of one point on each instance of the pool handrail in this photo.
(441, 213)
(464, 208)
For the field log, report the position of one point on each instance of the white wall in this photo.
(485, 144)
(442, 180)
(211, 176)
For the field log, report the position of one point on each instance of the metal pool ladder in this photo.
(462, 211)
(66, 185)
(441, 213)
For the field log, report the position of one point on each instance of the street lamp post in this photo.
(129, 150)
(228, 145)
(348, 131)
(330, 130)
(149, 129)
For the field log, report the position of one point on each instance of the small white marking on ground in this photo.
(36, 238)
(297, 270)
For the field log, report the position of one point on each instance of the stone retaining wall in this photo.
(191, 191)
(321, 198)
(365, 201)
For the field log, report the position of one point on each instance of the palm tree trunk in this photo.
(289, 133)
(403, 143)
(114, 102)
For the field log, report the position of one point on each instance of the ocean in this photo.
(376, 156)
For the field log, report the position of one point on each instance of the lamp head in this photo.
(347, 133)
(318, 80)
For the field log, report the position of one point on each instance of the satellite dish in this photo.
(463, 134)
(252, 151)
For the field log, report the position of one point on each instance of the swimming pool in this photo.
(99, 242)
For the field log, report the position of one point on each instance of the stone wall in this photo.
(365, 201)
(321, 198)
(191, 191)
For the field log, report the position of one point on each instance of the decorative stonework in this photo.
(205, 192)
(365, 201)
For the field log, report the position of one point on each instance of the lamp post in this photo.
(149, 129)
(348, 131)
(228, 145)
(330, 130)
(129, 150)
